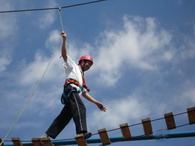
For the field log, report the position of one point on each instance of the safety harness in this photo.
(71, 81)
(73, 90)
(75, 82)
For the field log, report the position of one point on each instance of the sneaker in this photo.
(45, 136)
(87, 135)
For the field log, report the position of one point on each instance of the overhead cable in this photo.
(52, 8)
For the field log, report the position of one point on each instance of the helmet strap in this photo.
(82, 65)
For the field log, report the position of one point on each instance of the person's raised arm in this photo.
(64, 49)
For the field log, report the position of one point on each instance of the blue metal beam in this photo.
(120, 139)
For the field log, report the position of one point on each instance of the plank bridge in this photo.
(104, 139)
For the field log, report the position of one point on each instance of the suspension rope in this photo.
(53, 8)
(60, 16)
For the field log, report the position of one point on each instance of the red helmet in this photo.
(86, 57)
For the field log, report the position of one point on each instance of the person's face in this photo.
(86, 65)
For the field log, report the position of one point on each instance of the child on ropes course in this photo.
(74, 86)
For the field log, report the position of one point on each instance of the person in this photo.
(74, 87)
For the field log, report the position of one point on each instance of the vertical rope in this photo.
(60, 16)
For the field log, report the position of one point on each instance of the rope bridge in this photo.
(125, 130)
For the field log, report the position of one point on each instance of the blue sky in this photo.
(144, 54)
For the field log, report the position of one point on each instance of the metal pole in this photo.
(121, 139)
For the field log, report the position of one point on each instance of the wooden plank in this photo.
(81, 140)
(46, 142)
(147, 126)
(16, 141)
(125, 131)
(191, 115)
(36, 141)
(104, 136)
(170, 121)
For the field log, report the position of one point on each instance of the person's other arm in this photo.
(91, 99)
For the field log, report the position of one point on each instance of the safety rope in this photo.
(60, 16)
(36, 86)
(53, 8)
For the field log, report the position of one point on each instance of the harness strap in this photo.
(84, 84)
(65, 96)
(75, 82)
(72, 81)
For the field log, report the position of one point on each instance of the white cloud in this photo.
(168, 55)
(140, 44)
(8, 28)
(47, 18)
(27, 124)
(188, 93)
(5, 60)
(47, 99)
(119, 111)
(187, 50)
(7, 22)
(54, 40)
(33, 71)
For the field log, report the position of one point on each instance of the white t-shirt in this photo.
(73, 71)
